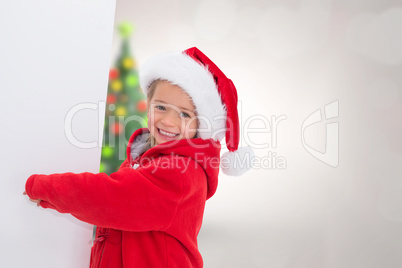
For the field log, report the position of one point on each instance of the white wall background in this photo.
(286, 57)
(292, 57)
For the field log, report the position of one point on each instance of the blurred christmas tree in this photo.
(126, 106)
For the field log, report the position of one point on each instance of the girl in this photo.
(150, 211)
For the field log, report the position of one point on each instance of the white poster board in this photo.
(54, 55)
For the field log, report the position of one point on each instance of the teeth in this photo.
(167, 134)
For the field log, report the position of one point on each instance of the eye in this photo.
(185, 114)
(160, 107)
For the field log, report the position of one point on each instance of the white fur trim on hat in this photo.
(238, 162)
(183, 71)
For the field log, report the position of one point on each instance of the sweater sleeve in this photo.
(140, 199)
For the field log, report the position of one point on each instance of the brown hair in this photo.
(151, 142)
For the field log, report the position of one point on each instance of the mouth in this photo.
(167, 134)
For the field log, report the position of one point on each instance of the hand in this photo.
(37, 201)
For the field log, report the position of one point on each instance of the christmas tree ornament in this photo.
(110, 99)
(142, 106)
(125, 29)
(128, 63)
(111, 107)
(107, 151)
(132, 80)
(113, 74)
(123, 99)
(121, 111)
(117, 128)
(116, 85)
(102, 167)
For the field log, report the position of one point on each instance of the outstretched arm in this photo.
(134, 200)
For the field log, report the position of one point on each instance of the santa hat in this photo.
(214, 96)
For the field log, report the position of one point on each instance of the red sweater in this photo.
(148, 216)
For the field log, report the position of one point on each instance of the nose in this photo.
(170, 119)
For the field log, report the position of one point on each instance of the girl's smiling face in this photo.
(171, 114)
